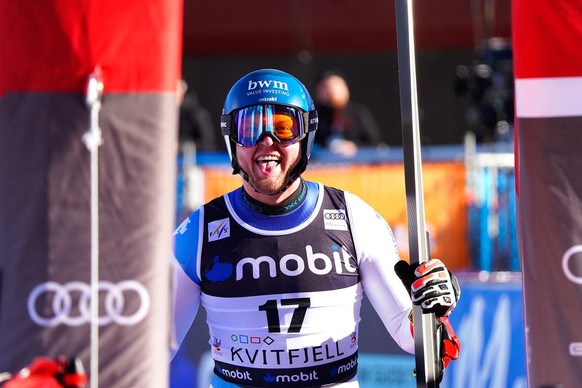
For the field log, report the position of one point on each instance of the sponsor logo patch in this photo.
(219, 229)
(335, 219)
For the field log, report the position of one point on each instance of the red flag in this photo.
(54, 45)
(48, 49)
(548, 71)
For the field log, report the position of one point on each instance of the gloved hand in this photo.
(48, 373)
(436, 290)
(431, 285)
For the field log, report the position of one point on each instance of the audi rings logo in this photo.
(334, 216)
(71, 303)
(335, 219)
(566, 267)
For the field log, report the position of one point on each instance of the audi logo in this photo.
(568, 256)
(335, 216)
(62, 309)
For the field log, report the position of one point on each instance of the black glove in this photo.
(431, 285)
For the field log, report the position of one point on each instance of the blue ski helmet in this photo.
(269, 87)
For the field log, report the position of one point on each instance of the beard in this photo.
(270, 185)
(267, 168)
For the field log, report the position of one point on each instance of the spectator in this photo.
(195, 122)
(344, 125)
(485, 90)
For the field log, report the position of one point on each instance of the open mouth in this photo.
(268, 162)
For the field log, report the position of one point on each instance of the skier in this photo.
(281, 263)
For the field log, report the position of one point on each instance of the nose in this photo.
(267, 140)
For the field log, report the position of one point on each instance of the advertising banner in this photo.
(382, 186)
(548, 71)
(489, 322)
(48, 50)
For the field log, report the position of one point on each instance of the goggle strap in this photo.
(225, 124)
(311, 120)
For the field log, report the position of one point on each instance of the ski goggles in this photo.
(285, 124)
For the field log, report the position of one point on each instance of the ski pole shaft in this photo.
(427, 360)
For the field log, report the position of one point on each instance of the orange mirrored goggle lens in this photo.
(284, 124)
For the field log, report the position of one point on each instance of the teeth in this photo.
(267, 159)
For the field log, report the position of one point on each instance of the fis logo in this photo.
(219, 229)
(216, 344)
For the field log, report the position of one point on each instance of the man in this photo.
(344, 125)
(281, 264)
(195, 125)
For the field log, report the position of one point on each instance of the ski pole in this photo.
(428, 365)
